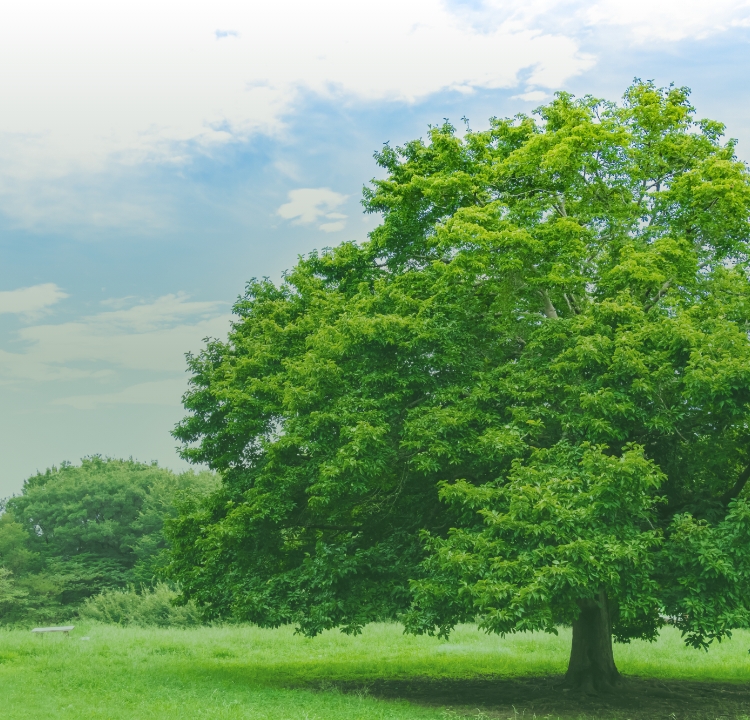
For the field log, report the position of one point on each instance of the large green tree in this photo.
(523, 401)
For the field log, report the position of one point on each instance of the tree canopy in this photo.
(78, 529)
(524, 400)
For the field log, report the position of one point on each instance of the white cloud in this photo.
(162, 313)
(666, 20)
(30, 300)
(306, 205)
(333, 226)
(85, 83)
(532, 96)
(150, 337)
(670, 20)
(89, 87)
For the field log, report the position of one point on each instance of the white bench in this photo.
(64, 629)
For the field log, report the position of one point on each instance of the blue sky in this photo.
(156, 155)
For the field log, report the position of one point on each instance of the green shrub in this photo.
(79, 530)
(150, 607)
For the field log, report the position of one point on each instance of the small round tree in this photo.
(523, 402)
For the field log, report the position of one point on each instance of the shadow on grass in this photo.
(504, 697)
(636, 699)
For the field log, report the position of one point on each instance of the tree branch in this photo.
(737, 488)
(560, 205)
(659, 295)
(549, 308)
(430, 258)
(571, 305)
(339, 528)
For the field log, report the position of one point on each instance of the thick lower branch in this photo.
(572, 305)
(549, 308)
(659, 295)
(737, 488)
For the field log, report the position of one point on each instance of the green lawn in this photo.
(244, 672)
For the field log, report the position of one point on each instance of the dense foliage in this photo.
(151, 607)
(525, 396)
(76, 530)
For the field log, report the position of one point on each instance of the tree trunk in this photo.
(592, 664)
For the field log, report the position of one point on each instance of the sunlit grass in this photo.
(670, 658)
(245, 672)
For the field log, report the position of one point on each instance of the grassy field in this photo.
(244, 672)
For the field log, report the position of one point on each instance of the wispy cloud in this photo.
(184, 93)
(640, 20)
(159, 392)
(150, 337)
(307, 205)
(332, 226)
(532, 96)
(669, 20)
(30, 301)
(184, 86)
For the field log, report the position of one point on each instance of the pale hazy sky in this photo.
(156, 155)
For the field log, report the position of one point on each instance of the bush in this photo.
(150, 607)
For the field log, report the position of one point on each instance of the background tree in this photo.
(523, 401)
(76, 530)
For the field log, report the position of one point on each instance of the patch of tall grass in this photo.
(129, 673)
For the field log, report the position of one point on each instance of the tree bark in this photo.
(737, 488)
(591, 668)
(549, 308)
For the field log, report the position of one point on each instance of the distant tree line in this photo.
(77, 531)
